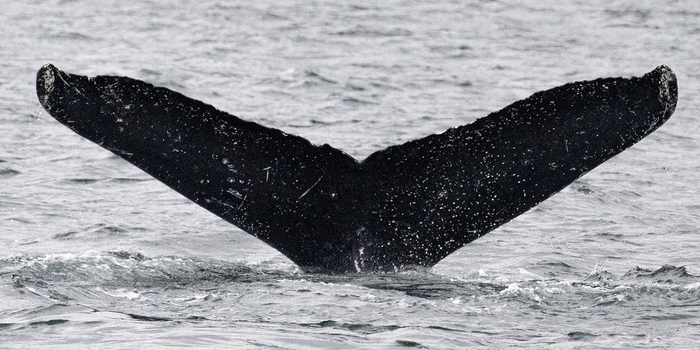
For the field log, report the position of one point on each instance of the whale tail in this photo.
(411, 204)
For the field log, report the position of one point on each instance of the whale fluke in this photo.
(407, 205)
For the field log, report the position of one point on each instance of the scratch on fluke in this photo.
(68, 84)
(242, 202)
(267, 173)
(312, 186)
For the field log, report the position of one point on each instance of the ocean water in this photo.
(96, 254)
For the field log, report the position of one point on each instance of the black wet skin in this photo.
(407, 205)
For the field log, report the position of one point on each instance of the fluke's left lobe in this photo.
(275, 186)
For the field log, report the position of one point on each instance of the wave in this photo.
(127, 270)
(130, 290)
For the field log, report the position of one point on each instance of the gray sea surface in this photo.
(95, 253)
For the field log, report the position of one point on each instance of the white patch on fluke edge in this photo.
(48, 79)
(665, 94)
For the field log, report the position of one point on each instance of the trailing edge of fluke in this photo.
(407, 205)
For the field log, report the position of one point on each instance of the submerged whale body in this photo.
(407, 205)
